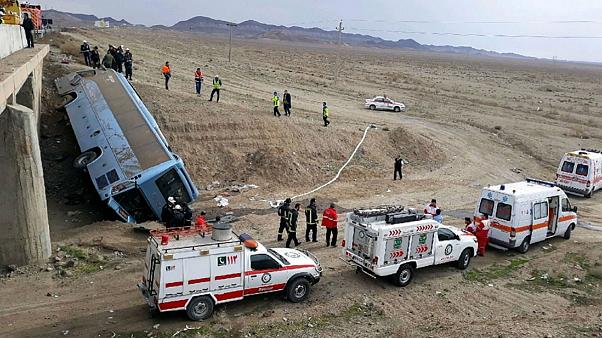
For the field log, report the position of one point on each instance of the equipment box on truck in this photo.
(526, 212)
(580, 172)
(392, 242)
(186, 270)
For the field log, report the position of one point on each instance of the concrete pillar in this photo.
(24, 232)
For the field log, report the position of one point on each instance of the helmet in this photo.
(127, 49)
(170, 199)
(85, 41)
(178, 207)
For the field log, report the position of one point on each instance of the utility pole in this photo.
(230, 24)
(339, 29)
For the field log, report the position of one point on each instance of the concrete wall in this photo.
(12, 39)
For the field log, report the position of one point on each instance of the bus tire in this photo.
(404, 275)
(298, 290)
(200, 308)
(464, 259)
(524, 246)
(85, 158)
(567, 233)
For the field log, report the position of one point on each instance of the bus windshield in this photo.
(170, 184)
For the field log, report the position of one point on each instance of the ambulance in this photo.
(393, 242)
(195, 270)
(524, 213)
(580, 172)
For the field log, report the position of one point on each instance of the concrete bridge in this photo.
(24, 231)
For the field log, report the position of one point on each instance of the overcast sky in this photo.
(389, 19)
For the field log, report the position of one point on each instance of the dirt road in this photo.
(470, 122)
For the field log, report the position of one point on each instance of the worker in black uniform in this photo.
(311, 220)
(292, 229)
(398, 167)
(167, 211)
(28, 27)
(127, 63)
(85, 50)
(179, 218)
(119, 59)
(283, 212)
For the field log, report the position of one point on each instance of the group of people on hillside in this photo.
(176, 214)
(289, 219)
(287, 105)
(199, 77)
(119, 58)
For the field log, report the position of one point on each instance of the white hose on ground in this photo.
(275, 204)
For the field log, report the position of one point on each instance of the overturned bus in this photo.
(122, 148)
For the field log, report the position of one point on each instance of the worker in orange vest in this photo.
(198, 80)
(330, 220)
(166, 70)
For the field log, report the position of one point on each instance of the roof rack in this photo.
(592, 150)
(382, 210)
(541, 182)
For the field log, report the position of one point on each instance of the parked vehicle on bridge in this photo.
(580, 172)
(384, 103)
(123, 150)
(526, 212)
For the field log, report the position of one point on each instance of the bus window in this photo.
(504, 211)
(568, 167)
(134, 203)
(582, 169)
(486, 207)
(170, 184)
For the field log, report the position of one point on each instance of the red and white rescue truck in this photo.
(187, 270)
(580, 172)
(526, 212)
(389, 241)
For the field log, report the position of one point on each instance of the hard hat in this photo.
(127, 49)
(85, 41)
(178, 207)
(171, 199)
(121, 46)
(217, 76)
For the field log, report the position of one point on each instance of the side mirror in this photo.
(457, 238)
(574, 209)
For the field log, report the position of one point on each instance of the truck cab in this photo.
(393, 242)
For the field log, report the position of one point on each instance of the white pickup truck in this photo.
(392, 242)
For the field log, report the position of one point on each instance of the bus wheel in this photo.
(200, 308)
(85, 158)
(567, 233)
(404, 275)
(524, 247)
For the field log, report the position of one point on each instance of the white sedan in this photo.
(384, 103)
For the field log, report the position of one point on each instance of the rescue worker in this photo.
(85, 50)
(201, 220)
(167, 211)
(431, 208)
(438, 217)
(166, 71)
(119, 59)
(482, 233)
(398, 168)
(283, 212)
(128, 63)
(179, 218)
(28, 27)
(325, 114)
(330, 220)
(198, 80)
(95, 58)
(470, 226)
(276, 101)
(286, 101)
(217, 85)
(187, 211)
(292, 229)
(311, 221)
(107, 61)
(113, 52)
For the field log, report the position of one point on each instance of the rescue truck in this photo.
(580, 172)
(193, 271)
(527, 212)
(393, 242)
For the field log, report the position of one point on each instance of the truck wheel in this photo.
(397, 109)
(524, 247)
(200, 308)
(404, 275)
(298, 290)
(567, 233)
(464, 259)
(85, 158)
(372, 107)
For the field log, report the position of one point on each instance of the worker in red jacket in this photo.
(330, 220)
(482, 234)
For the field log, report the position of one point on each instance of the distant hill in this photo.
(65, 19)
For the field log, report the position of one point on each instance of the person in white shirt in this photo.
(431, 208)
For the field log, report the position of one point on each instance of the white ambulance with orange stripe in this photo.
(580, 172)
(193, 271)
(526, 212)
(393, 242)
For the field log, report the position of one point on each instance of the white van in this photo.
(580, 172)
(526, 212)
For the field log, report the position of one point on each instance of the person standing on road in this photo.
(292, 230)
(330, 220)
(283, 212)
(325, 114)
(128, 64)
(95, 58)
(311, 220)
(28, 27)
(398, 168)
(276, 101)
(286, 101)
(198, 80)
(166, 70)
(217, 86)
(85, 50)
